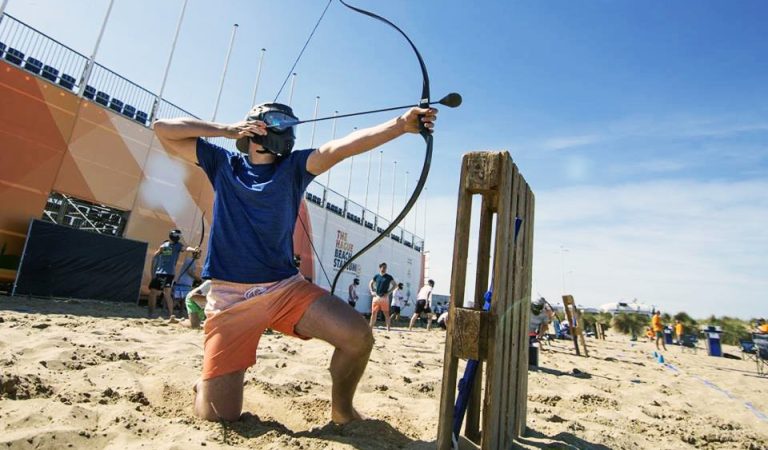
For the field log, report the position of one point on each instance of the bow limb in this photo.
(426, 134)
(199, 244)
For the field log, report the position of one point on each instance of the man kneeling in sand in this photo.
(255, 284)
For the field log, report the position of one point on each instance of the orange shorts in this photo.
(380, 303)
(232, 334)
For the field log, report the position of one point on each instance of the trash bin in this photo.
(712, 335)
(668, 335)
(533, 351)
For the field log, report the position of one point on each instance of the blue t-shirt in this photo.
(254, 213)
(382, 283)
(166, 260)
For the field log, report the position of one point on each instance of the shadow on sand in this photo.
(366, 434)
(563, 440)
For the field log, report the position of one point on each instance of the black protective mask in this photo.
(174, 235)
(281, 135)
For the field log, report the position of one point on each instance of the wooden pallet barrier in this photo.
(499, 337)
(573, 315)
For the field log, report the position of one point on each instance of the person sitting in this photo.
(762, 327)
(195, 303)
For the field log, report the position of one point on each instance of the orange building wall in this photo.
(51, 140)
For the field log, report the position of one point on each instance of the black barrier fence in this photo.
(60, 261)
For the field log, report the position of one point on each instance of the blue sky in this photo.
(641, 126)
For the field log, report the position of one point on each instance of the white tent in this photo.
(627, 307)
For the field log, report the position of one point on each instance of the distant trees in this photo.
(630, 323)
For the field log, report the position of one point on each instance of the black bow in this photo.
(425, 133)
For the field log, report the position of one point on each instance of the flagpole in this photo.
(224, 73)
(394, 177)
(424, 238)
(258, 76)
(333, 136)
(368, 180)
(2, 8)
(91, 61)
(314, 116)
(159, 97)
(351, 166)
(293, 84)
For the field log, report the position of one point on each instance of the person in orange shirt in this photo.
(678, 331)
(762, 326)
(658, 329)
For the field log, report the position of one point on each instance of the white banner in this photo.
(336, 239)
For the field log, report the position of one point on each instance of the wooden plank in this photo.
(568, 304)
(458, 280)
(470, 333)
(489, 205)
(499, 301)
(518, 327)
(522, 405)
(582, 338)
(483, 172)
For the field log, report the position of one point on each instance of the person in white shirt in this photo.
(352, 292)
(423, 304)
(398, 302)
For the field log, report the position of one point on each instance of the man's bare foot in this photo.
(172, 319)
(340, 418)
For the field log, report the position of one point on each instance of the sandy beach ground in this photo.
(83, 374)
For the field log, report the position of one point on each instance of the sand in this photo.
(84, 374)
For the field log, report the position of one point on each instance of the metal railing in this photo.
(337, 204)
(40, 54)
(167, 110)
(119, 94)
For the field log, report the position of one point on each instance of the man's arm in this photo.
(179, 136)
(371, 288)
(392, 286)
(331, 153)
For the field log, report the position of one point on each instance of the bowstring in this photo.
(312, 244)
(288, 75)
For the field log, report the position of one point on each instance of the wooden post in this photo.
(574, 321)
(499, 336)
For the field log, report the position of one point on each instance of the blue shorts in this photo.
(181, 291)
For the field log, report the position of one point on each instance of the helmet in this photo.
(174, 235)
(281, 135)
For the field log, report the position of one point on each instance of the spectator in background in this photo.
(762, 326)
(398, 302)
(678, 331)
(423, 304)
(352, 292)
(381, 285)
(186, 279)
(195, 303)
(541, 316)
(658, 330)
(164, 268)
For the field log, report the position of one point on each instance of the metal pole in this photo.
(317, 106)
(2, 8)
(293, 84)
(224, 73)
(394, 177)
(424, 196)
(258, 76)
(89, 65)
(405, 195)
(351, 166)
(378, 194)
(159, 97)
(328, 177)
(368, 180)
